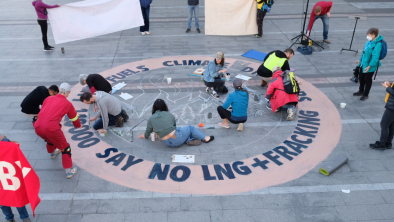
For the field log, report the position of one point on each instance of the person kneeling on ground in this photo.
(213, 76)
(110, 112)
(387, 122)
(95, 83)
(239, 101)
(163, 123)
(31, 104)
(279, 99)
(273, 59)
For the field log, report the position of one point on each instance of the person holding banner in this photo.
(42, 14)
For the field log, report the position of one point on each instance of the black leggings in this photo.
(365, 82)
(217, 84)
(225, 114)
(44, 29)
(260, 18)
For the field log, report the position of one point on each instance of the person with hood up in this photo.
(239, 101)
(273, 59)
(110, 112)
(49, 129)
(278, 99)
(94, 82)
(41, 10)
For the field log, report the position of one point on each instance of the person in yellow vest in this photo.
(387, 122)
(273, 59)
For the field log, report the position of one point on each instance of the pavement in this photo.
(369, 174)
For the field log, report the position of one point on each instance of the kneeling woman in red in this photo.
(49, 129)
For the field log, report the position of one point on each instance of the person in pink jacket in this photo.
(41, 10)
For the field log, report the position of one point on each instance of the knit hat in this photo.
(237, 83)
(82, 78)
(220, 55)
(64, 88)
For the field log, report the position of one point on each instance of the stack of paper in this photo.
(183, 158)
(126, 96)
(118, 86)
(199, 71)
(243, 77)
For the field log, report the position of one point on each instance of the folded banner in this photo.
(230, 17)
(19, 184)
(90, 18)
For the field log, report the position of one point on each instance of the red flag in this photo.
(19, 184)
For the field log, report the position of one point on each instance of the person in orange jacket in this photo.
(48, 126)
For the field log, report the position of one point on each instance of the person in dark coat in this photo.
(95, 83)
(31, 104)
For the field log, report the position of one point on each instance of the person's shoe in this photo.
(194, 142)
(119, 122)
(48, 49)
(146, 32)
(269, 107)
(51, 47)
(257, 36)
(363, 98)
(125, 116)
(358, 93)
(290, 114)
(70, 172)
(11, 220)
(240, 127)
(224, 126)
(198, 30)
(326, 41)
(55, 153)
(389, 145)
(377, 146)
(263, 83)
(143, 33)
(187, 30)
(211, 138)
(208, 90)
(27, 220)
(215, 95)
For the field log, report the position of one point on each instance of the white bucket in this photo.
(169, 81)
(343, 105)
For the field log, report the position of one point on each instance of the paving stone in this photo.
(118, 206)
(359, 212)
(362, 197)
(85, 206)
(160, 204)
(274, 215)
(103, 217)
(240, 202)
(320, 199)
(146, 217)
(200, 203)
(192, 216)
(313, 214)
(51, 218)
(232, 215)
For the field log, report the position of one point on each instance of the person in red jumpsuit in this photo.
(49, 129)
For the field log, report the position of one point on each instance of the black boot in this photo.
(358, 93)
(389, 145)
(377, 146)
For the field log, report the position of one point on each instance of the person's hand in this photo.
(328, 14)
(59, 5)
(141, 136)
(299, 82)
(385, 85)
(92, 119)
(357, 62)
(1, 137)
(307, 33)
(224, 70)
(101, 131)
(95, 109)
(366, 69)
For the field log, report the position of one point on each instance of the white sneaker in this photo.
(146, 32)
(208, 90)
(290, 114)
(240, 127)
(70, 172)
(215, 95)
(55, 153)
(143, 33)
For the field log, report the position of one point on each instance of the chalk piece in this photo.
(201, 124)
(211, 127)
(345, 191)
(62, 49)
(119, 86)
(126, 96)
(183, 158)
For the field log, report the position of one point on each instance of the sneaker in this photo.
(48, 49)
(70, 172)
(198, 30)
(257, 36)
(326, 41)
(187, 30)
(146, 32)
(358, 93)
(119, 122)
(143, 33)
(51, 47)
(125, 116)
(55, 153)
(263, 83)
(389, 145)
(377, 146)
(269, 107)
(363, 98)
(27, 220)
(11, 220)
(194, 142)
(290, 114)
(208, 90)
(240, 127)
(215, 95)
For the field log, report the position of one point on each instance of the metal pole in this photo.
(357, 18)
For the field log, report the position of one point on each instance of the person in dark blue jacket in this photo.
(145, 9)
(239, 101)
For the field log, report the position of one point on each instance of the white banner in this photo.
(90, 18)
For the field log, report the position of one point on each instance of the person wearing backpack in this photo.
(263, 6)
(277, 97)
(370, 61)
(42, 14)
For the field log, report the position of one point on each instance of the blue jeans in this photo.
(145, 15)
(111, 121)
(10, 216)
(326, 24)
(184, 135)
(195, 9)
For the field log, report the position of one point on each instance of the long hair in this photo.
(242, 89)
(159, 104)
(221, 62)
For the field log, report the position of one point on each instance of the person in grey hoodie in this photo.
(109, 107)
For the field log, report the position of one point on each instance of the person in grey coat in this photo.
(193, 9)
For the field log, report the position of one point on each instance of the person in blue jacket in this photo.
(239, 101)
(145, 9)
(369, 62)
(213, 76)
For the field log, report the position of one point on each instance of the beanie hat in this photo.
(237, 83)
(64, 88)
(82, 77)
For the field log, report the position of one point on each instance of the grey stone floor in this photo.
(369, 174)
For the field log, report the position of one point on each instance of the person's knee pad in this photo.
(67, 151)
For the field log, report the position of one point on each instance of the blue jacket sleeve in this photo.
(229, 101)
(211, 68)
(375, 55)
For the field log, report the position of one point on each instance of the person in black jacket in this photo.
(193, 8)
(273, 59)
(95, 83)
(31, 104)
(387, 122)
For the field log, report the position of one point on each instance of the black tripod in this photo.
(350, 47)
(299, 38)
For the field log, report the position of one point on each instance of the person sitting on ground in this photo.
(239, 101)
(32, 102)
(278, 99)
(273, 59)
(387, 122)
(95, 82)
(110, 112)
(213, 76)
(163, 123)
